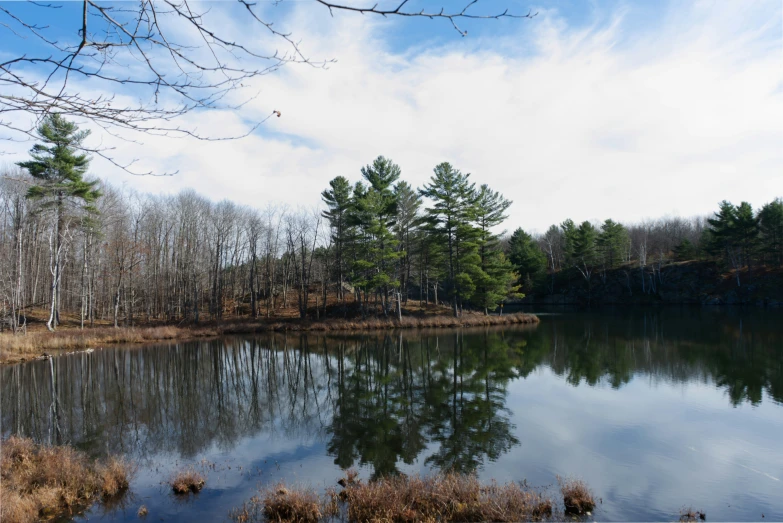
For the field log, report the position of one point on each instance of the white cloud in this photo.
(616, 119)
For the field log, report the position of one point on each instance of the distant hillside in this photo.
(690, 282)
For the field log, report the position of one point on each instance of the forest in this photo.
(735, 241)
(73, 244)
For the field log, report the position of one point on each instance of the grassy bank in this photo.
(34, 344)
(52, 482)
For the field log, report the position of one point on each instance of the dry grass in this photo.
(444, 320)
(400, 499)
(577, 497)
(422, 322)
(251, 511)
(447, 497)
(16, 348)
(284, 505)
(292, 506)
(41, 482)
(188, 480)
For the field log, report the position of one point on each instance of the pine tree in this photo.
(338, 201)
(684, 250)
(584, 253)
(59, 169)
(453, 205)
(569, 234)
(382, 175)
(432, 259)
(734, 233)
(528, 260)
(375, 213)
(721, 232)
(495, 280)
(406, 228)
(612, 242)
(746, 232)
(771, 226)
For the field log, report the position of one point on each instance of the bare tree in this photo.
(162, 58)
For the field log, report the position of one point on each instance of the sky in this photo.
(591, 110)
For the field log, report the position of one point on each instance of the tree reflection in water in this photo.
(375, 399)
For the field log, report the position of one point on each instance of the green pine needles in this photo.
(57, 164)
(58, 167)
(387, 248)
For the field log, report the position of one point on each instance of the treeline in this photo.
(735, 236)
(81, 247)
(84, 248)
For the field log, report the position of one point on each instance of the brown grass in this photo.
(446, 497)
(284, 505)
(40, 481)
(16, 348)
(292, 506)
(577, 497)
(468, 319)
(188, 480)
(400, 499)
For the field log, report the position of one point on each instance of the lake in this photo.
(656, 409)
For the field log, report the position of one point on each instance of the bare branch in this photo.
(117, 46)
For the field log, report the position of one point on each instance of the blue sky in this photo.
(591, 110)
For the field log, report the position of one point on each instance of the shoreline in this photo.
(42, 344)
(43, 482)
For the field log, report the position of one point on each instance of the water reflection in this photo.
(378, 400)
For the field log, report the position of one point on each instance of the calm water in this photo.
(655, 409)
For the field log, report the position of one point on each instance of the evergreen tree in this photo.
(432, 259)
(720, 239)
(569, 235)
(338, 200)
(381, 175)
(468, 273)
(612, 241)
(584, 254)
(684, 250)
(733, 234)
(495, 280)
(406, 228)
(771, 226)
(746, 232)
(528, 259)
(59, 169)
(450, 217)
(375, 212)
